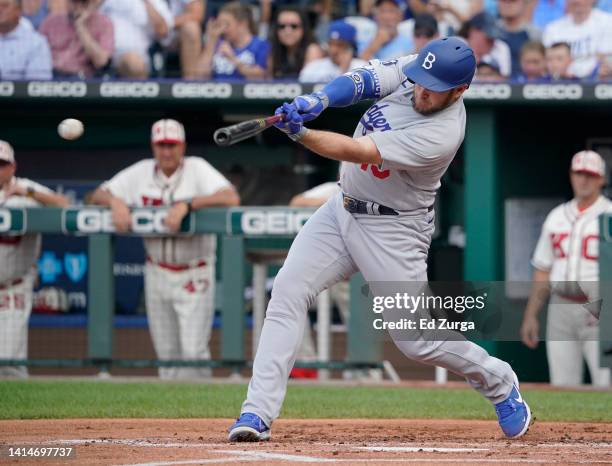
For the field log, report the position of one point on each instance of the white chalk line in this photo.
(423, 449)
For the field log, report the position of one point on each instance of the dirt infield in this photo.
(202, 441)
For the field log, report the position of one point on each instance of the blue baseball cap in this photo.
(442, 65)
(341, 30)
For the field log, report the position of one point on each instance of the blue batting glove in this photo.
(310, 106)
(292, 123)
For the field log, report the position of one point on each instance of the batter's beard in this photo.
(430, 111)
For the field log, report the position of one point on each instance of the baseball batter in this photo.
(566, 265)
(18, 256)
(382, 222)
(180, 271)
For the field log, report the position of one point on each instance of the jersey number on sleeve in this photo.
(378, 173)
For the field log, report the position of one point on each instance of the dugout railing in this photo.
(243, 233)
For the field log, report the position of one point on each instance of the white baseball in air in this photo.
(70, 129)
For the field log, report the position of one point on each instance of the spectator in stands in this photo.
(341, 47)
(82, 40)
(18, 256)
(488, 71)
(533, 62)
(451, 12)
(541, 13)
(186, 36)
(231, 50)
(425, 30)
(604, 71)
(558, 61)
(515, 30)
(138, 24)
(483, 36)
(589, 33)
(24, 53)
(292, 45)
(35, 10)
(388, 43)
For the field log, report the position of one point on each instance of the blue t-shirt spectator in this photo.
(255, 53)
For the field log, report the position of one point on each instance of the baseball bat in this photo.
(240, 131)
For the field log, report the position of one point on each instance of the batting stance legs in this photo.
(333, 245)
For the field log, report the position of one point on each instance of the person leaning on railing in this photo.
(18, 256)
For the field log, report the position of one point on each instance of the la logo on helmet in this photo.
(429, 61)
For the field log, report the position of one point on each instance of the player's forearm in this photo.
(227, 197)
(340, 147)
(353, 87)
(50, 199)
(103, 197)
(539, 293)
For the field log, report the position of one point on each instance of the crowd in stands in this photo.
(313, 41)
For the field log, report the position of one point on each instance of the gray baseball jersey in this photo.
(416, 149)
(334, 243)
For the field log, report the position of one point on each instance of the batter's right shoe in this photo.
(514, 415)
(248, 428)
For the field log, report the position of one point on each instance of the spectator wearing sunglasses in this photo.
(292, 45)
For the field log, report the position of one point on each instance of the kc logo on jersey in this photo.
(429, 61)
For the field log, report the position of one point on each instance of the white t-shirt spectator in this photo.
(587, 40)
(500, 53)
(25, 54)
(324, 70)
(133, 30)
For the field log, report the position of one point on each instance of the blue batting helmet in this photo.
(442, 65)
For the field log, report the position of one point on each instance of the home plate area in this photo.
(202, 441)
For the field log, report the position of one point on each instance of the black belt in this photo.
(356, 206)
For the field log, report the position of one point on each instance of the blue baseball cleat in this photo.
(514, 415)
(248, 428)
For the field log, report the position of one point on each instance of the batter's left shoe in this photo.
(248, 428)
(514, 414)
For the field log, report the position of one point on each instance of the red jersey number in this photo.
(380, 174)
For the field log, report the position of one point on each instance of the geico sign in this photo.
(57, 89)
(553, 91)
(489, 91)
(7, 89)
(603, 91)
(146, 90)
(143, 222)
(5, 220)
(273, 223)
(205, 90)
(272, 91)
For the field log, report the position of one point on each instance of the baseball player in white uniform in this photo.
(18, 256)
(566, 266)
(180, 271)
(382, 222)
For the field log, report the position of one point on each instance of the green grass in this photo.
(79, 399)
